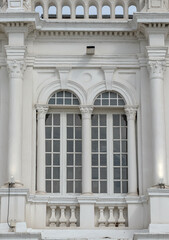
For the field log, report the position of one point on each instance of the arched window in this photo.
(119, 12)
(52, 12)
(63, 138)
(66, 13)
(109, 145)
(80, 11)
(92, 12)
(39, 9)
(132, 9)
(106, 11)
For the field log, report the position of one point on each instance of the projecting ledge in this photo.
(147, 236)
(20, 236)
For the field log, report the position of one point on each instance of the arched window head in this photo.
(66, 13)
(109, 99)
(105, 11)
(52, 12)
(132, 9)
(39, 9)
(119, 12)
(63, 98)
(80, 11)
(92, 12)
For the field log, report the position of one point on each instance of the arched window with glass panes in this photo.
(109, 144)
(63, 139)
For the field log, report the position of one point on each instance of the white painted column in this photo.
(156, 72)
(132, 164)
(86, 148)
(16, 70)
(41, 111)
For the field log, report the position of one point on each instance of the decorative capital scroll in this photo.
(130, 112)
(16, 68)
(86, 111)
(41, 110)
(156, 68)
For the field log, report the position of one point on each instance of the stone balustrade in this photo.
(85, 9)
(63, 216)
(110, 216)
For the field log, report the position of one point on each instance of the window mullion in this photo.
(109, 154)
(63, 151)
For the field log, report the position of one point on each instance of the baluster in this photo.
(62, 219)
(111, 220)
(53, 219)
(102, 219)
(121, 220)
(73, 219)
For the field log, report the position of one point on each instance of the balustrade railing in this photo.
(111, 216)
(63, 216)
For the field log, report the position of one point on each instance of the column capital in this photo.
(156, 68)
(86, 109)
(16, 68)
(130, 112)
(41, 110)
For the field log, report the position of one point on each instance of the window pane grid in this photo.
(52, 141)
(74, 153)
(109, 99)
(63, 98)
(120, 161)
(99, 153)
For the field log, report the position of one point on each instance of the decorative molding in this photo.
(16, 68)
(130, 112)
(86, 111)
(41, 110)
(156, 69)
(109, 73)
(64, 74)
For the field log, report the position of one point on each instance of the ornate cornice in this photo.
(131, 112)
(16, 68)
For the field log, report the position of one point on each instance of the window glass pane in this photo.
(56, 119)
(78, 146)
(94, 159)
(94, 173)
(69, 159)
(103, 133)
(68, 101)
(51, 101)
(116, 133)
(56, 132)
(56, 159)
(56, 173)
(67, 94)
(69, 173)
(69, 146)
(97, 102)
(102, 120)
(95, 187)
(78, 132)
(124, 146)
(116, 146)
(103, 159)
(48, 132)
(103, 173)
(78, 173)
(75, 102)
(123, 120)
(48, 172)
(125, 173)
(59, 94)
(103, 146)
(56, 146)
(116, 173)
(48, 120)
(113, 102)
(105, 102)
(103, 187)
(116, 120)
(105, 95)
(56, 187)
(121, 102)
(116, 159)
(48, 186)
(48, 145)
(117, 188)
(94, 120)
(94, 146)
(113, 95)
(124, 187)
(69, 186)
(78, 120)
(124, 133)
(78, 187)
(78, 159)
(48, 159)
(69, 119)
(70, 132)
(94, 133)
(59, 101)
(124, 160)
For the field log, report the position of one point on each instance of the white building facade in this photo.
(84, 119)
